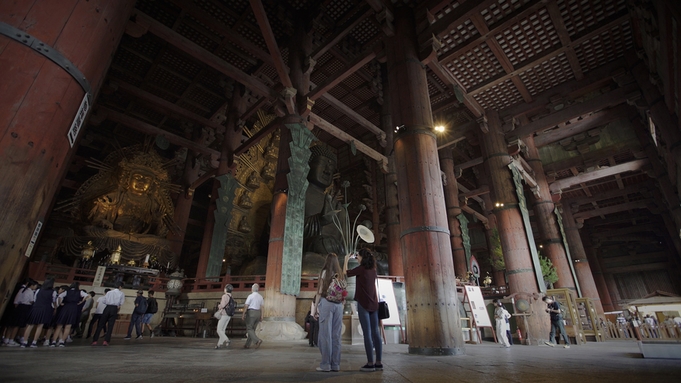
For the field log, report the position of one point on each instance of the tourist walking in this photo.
(253, 315)
(501, 317)
(113, 300)
(553, 308)
(152, 308)
(226, 316)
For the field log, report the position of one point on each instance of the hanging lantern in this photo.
(116, 256)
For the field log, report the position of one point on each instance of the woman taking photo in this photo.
(367, 307)
(330, 316)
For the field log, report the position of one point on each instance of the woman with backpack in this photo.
(226, 307)
(329, 313)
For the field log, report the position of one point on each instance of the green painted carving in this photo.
(223, 215)
(463, 222)
(559, 219)
(292, 256)
(522, 203)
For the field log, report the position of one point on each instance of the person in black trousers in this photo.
(113, 300)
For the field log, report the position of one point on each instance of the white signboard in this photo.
(384, 287)
(34, 238)
(478, 308)
(99, 276)
(79, 120)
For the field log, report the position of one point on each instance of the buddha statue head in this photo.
(322, 166)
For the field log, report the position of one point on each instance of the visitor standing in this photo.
(253, 315)
(501, 317)
(113, 300)
(367, 307)
(136, 317)
(99, 309)
(330, 316)
(152, 308)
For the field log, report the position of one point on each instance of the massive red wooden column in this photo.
(519, 269)
(453, 210)
(434, 326)
(599, 278)
(392, 212)
(39, 103)
(546, 220)
(582, 268)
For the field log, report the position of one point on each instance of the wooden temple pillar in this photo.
(544, 208)
(183, 206)
(223, 194)
(498, 276)
(40, 102)
(585, 278)
(599, 278)
(434, 324)
(285, 251)
(520, 271)
(392, 211)
(453, 211)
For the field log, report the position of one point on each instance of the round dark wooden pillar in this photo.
(519, 268)
(453, 210)
(546, 219)
(433, 324)
(40, 101)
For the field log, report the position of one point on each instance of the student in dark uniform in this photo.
(69, 314)
(41, 313)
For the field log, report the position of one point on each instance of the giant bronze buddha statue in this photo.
(127, 203)
(321, 236)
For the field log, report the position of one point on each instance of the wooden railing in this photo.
(644, 331)
(67, 275)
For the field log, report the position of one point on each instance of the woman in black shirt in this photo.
(367, 307)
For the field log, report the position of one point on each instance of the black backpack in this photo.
(231, 307)
(152, 306)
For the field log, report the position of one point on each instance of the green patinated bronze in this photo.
(559, 218)
(522, 203)
(292, 256)
(463, 222)
(223, 215)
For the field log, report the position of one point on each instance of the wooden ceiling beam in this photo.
(454, 18)
(498, 52)
(446, 76)
(612, 98)
(345, 137)
(336, 79)
(602, 196)
(593, 80)
(592, 157)
(595, 120)
(565, 183)
(637, 268)
(271, 41)
(338, 34)
(635, 257)
(164, 105)
(503, 24)
(182, 43)
(481, 217)
(469, 164)
(479, 191)
(557, 50)
(153, 131)
(559, 25)
(626, 230)
(257, 136)
(230, 35)
(349, 112)
(642, 204)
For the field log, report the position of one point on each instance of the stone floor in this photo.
(165, 359)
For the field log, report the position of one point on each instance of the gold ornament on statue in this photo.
(487, 281)
(88, 251)
(116, 256)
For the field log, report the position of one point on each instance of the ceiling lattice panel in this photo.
(501, 9)
(529, 37)
(499, 96)
(463, 32)
(580, 15)
(606, 47)
(548, 74)
(475, 66)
